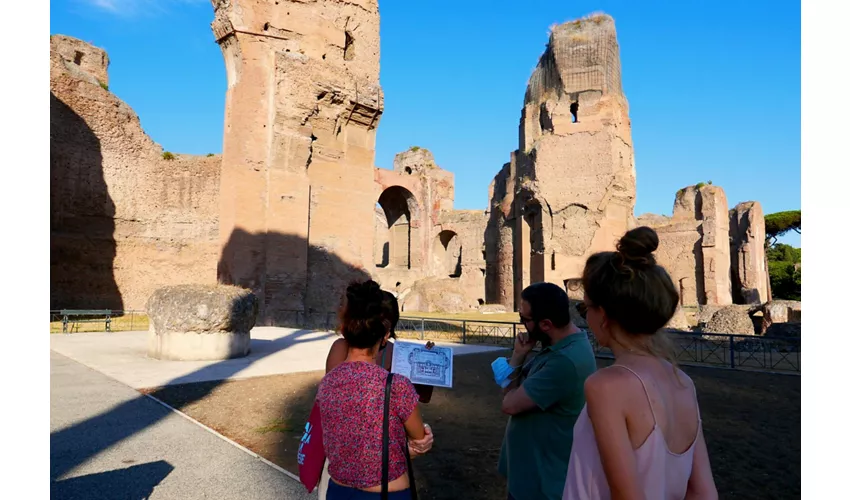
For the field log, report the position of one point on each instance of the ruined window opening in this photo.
(78, 57)
(448, 253)
(408, 170)
(348, 50)
(553, 261)
(480, 302)
(574, 111)
(398, 208)
(266, 27)
(398, 284)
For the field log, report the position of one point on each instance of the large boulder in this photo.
(781, 311)
(734, 319)
(201, 322)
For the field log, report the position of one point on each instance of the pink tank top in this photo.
(663, 474)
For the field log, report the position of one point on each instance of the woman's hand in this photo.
(429, 345)
(421, 446)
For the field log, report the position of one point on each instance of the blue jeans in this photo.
(339, 492)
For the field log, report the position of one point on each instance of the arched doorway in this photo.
(400, 216)
(448, 252)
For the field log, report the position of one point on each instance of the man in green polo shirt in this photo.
(545, 395)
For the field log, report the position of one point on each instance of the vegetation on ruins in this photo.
(210, 154)
(779, 223)
(784, 262)
(785, 269)
(103, 85)
(168, 155)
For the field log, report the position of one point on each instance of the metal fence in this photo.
(119, 321)
(729, 351)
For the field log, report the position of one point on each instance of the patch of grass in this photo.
(168, 155)
(210, 154)
(103, 85)
(130, 322)
(467, 316)
(276, 425)
(415, 148)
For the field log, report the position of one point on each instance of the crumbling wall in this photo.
(692, 245)
(750, 279)
(302, 109)
(575, 132)
(124, 221)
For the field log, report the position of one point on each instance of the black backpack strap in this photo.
(385, 453)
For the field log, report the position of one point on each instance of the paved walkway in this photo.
(274, 351)
(107, 441)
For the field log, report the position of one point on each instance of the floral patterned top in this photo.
(351, 401)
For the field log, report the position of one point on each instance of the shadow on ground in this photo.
(74, 445)
(136, 482)
(751, 422)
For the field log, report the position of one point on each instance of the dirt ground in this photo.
(751, 422)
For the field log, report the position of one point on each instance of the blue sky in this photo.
(713, 87)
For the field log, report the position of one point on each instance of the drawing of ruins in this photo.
(294, 208)
(428, 366)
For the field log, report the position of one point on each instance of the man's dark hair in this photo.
(548, 301)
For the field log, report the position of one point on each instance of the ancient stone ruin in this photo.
(295, 207)
(569, 190)
(200, 322)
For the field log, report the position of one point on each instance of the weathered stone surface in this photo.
(123, 220)
(750, 280)
(781, 311)
(692, 245)
(552, 230)
(679, 321)
(303, 106)
(444, 295)
(197, 322)
(734, 319)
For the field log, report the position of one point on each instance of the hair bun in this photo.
(637, 245)
(364, 298)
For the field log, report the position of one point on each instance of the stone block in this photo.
(201, 322)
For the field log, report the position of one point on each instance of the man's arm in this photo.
(522, 346)
(543, 388)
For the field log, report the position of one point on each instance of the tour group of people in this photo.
(631, 430)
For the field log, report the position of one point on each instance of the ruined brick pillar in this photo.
(750, 280)
(575, 158)
(716, 262)
(302, 108)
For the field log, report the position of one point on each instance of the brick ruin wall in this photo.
(569, 190)
(296, 208)
(124, 221)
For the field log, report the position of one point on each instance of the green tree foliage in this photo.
(784, 264)
(779, 223)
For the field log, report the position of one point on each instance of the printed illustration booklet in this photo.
(424, 366)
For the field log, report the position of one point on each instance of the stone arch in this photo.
(448, 252)
(401, 216)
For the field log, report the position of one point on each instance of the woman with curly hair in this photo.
(351, 399)
(640, 434)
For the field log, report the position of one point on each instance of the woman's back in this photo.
(659, 405)
(351, 400)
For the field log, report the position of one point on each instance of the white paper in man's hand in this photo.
(423, 366)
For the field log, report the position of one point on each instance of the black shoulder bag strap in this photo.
(385, 454)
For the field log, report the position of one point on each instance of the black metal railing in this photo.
(730, 351)
(119, 321)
